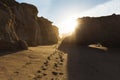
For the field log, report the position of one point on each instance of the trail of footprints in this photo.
(52, 68)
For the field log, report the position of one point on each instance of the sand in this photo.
(92, 63)
(68, 63)
(37, 63)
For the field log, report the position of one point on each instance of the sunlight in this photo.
(67, 26)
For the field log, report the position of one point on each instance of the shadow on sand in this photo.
(7, 52)
(85, 63)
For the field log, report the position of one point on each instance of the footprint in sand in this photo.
(16, 72)
(48, 58)
(57, 60)
(43, 68)
(37, 77)
(39, 71)
(46, 63)
(61, 73)
(56, 65)
(55, 73)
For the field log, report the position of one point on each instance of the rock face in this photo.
(34, 30)
(20, 26)
(104, 30)
(8, 38)
(49, 32)
(26, 26)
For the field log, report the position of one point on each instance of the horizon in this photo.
(63, 12)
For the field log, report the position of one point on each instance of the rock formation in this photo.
(104, 30)
(49, 32)
(20, 26)
(26, 26)
(8, 38)
(34, 30)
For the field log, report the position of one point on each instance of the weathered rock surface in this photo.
(104, 30)
(26, 26)
(31, 28)
(49, 32)
(20, 25)
(8, 38)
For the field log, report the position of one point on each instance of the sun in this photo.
(67, 26)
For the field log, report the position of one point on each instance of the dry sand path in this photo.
(37, 63)
(48, 63)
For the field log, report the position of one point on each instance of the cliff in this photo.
(91, 30)
(49, 32)
(31, 28)
(20, 26)
(26, 26)
(8, 37)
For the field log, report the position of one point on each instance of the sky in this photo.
(60, 12)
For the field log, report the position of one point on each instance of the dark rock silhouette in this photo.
(91, 30)
(20, 26)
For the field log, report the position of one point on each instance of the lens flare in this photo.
(68, 26)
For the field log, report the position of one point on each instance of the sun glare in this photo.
(67, 27)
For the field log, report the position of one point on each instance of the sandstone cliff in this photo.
(8, 38)
(26, 26)
(20, 26)
(49, 32)
(31, 28)
(104, 30)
